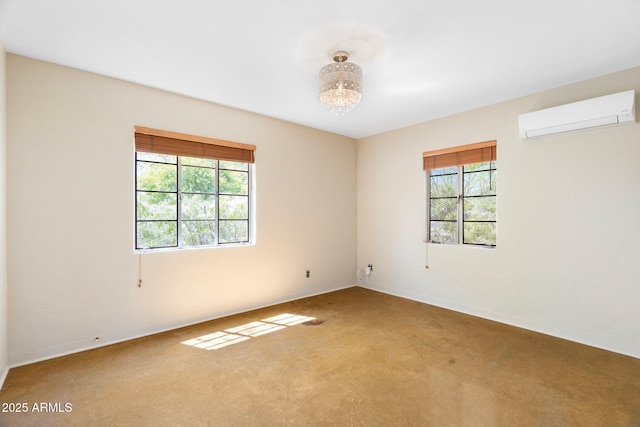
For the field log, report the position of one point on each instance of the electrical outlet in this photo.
(308, 273)
(370, 267)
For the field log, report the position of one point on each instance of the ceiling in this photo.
(421, 59)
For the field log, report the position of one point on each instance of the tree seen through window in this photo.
(187, 201)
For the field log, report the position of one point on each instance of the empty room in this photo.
(307, 213)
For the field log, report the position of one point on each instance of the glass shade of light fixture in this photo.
(340, 84)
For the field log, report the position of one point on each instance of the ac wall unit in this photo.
(604, 110)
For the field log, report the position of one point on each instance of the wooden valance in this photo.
(179, 144)
(462, 155)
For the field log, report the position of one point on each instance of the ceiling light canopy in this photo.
(340, 84)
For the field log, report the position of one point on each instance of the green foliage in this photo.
(480, 233)
(156, 198)
(198, 206)
(234, 202)
(157, 234)
(443, 205)
(238, 166)
(198, 179)
(157, 201)
(233, 231)
(198, 233)
(479, 204)
(233, 182)
(444, 232)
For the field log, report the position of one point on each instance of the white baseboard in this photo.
(494, 317)
(66, 349)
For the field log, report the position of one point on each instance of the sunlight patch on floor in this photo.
(247, 331)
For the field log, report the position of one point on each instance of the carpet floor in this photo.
(354, 357)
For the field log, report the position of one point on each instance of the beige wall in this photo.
(3, 220)
(72, 269)
(568, 235)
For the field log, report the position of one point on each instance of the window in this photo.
(461, 186)
(191, 191)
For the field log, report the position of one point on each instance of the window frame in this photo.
(225, 152)
(463, 197)
(459, 158)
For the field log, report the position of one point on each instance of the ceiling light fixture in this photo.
(340, 84)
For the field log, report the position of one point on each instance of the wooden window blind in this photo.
(463, 155)
(178, 144)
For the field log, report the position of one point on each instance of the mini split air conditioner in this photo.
(605, 110)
